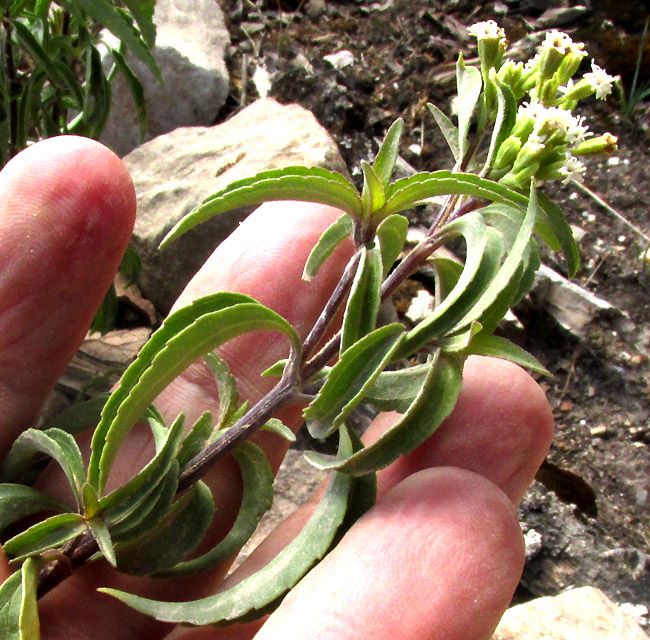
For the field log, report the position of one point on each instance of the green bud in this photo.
(607, 143)
(521, 179)
(507, 153)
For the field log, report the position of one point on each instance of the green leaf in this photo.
(350, 378)
(469, 83)
(28, 622)
(226, 388)
(432, 405)
(373, 194)
(497, 347)
(186, 335)
(49, 533)
(254, 595)
(257, 479)
(80, 416)
(279, 428)
(562, 230)
(103, 538)
(291, 183)
(459, 342)
(448, 129)
(18, 501)
(409, 191)
(396, 390)
(32, 46)
(109, 17)
(387, 155)
(391, 234)
(505, 118)
(11, 597)
(365, 297)
(55, 443)
(176, 535)
(327, 243)
(196, 439)
(137, 92)
(143, 12)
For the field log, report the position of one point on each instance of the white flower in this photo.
(535, 142)
(487, 30)
(562, 43)
(600, 81)
(573, 169)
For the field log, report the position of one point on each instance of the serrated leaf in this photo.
(432, 405)
(469, 83)
(327, 243)
(291, 183)
(17, 501)
(387, 155)
(391, 234)
(257, 498)
(55, 443)
(251, 597)
(174, 536)
(103, 538)
(350, 378)
(489, 345)
(362, 307)
(28, 622)
(49, 533)
(447, 128)
(186, 335)
(373, 194)
(407, 192)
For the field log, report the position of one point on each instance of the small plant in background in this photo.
(52, 80)
(515, 128)
(637, 91)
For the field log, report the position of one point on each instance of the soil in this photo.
(595, 487)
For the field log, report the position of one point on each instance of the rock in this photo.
(190, 43)
(584, 614)
(175, 172)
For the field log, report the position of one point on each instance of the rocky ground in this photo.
(359, 65)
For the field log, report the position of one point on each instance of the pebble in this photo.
(340, 59)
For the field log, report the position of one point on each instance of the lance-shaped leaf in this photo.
(17, 501)
(257, 479)
(432, 405)
(49, 533)
(361, 310)
(396, 390)
(349, 379)
(11, 596)
(185, 336)
(121, 501)
(143, 11)
(373, 193)
(291, 183)
(251, 597)
(176, 535)
(391, 234)
(327, 243)
(469, 83)
(387, 155)
(226, 388)
(103, 538)
(137, 92)
(410, 191)
(447, 128)
(196, 439)
(505, 118)
(562, 231)
(279, 428)
(55, 443)
(485, 344)
(28, 622)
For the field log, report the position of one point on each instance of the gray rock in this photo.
(190, 43)
(175, 172)
(584, 614)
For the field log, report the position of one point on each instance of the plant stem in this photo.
(13, 87)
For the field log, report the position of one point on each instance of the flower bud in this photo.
(607, 143)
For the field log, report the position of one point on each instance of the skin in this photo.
(440, 554)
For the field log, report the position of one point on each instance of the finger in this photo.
(501, 428)
(438, 558)
(66, 214)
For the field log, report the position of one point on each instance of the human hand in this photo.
(440, 554)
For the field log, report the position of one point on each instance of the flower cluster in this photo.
(546, 139)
